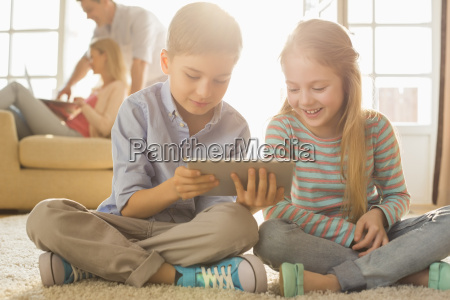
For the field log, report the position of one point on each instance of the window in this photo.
(399, 46)
(30, 42)
(396, 56)
(395, 41)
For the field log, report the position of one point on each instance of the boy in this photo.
(156, 227)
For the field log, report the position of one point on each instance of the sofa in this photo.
(46, 166)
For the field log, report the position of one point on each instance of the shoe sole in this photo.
(293, 273)
(45, 268)
(258, 268)
(281, 280)
(439, 276)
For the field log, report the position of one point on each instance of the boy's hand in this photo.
(257, 198)
(189, 183)
(369, 232)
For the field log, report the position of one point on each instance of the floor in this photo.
(420, 209)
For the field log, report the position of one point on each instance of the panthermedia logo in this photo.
(239, 150)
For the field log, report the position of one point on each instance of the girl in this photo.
(97, 112)
(342, 229)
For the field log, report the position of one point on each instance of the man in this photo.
(140, 35)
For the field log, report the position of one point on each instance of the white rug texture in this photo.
(20, 279)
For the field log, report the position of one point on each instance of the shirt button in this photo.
(181, 124)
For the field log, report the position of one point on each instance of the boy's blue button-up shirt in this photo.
(150, 140)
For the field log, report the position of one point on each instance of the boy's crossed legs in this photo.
(137, 252)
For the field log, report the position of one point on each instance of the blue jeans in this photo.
(415, 243)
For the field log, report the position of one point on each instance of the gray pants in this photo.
(131, 250)
(414, 244)
(30, 114)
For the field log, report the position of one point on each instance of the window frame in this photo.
(435, 25)
(407, 128)
(60, 31)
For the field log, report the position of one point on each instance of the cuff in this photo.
(386, 214)
(350, 277)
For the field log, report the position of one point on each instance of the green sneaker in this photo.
(291, 280)
(439, 276)
(55, 270)
(245, 273)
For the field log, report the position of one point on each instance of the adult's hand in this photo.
(66, 90)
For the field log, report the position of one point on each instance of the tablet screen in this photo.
(283, 170)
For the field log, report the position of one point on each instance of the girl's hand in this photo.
(189, 183)
(369, 232)
(257, 198)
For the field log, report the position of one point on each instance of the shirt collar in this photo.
(117, 12)
(117, 16)
(217, 113)
(168, 101)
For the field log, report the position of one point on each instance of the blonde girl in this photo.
(342, 228)
(100, 109)
(97, 112)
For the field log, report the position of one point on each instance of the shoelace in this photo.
(79, 274)
(223, 278)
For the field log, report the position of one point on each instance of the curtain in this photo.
(441, 184)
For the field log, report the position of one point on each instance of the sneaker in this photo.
(439, 276)
(245, 273)
(291, 280)
(55, 270)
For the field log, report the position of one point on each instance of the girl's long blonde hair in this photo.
(329, 44)
(115, 63)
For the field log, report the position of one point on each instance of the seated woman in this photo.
(97, 113)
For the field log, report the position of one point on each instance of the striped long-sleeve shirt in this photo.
(318, 189)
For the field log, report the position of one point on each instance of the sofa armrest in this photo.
(9, 145)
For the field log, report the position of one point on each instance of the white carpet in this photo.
(19, 279)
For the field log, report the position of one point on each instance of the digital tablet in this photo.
(64, 110)
(283, 170)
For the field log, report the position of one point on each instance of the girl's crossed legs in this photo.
(415, 243)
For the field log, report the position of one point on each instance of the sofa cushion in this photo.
(56, 152)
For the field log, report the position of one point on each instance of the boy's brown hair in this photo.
(200, 28)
